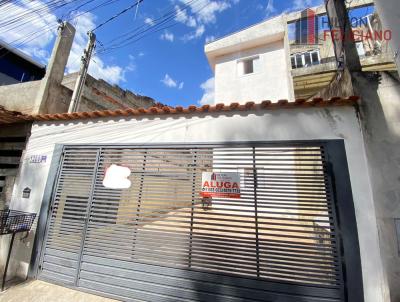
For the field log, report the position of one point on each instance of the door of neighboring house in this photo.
(290, 236)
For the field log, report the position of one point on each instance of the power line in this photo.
(42, 31)
(171, 12)
(76, 8)
(132, 36)
(30, 13)
(117, 15)
(143, 31)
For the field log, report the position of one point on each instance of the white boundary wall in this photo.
(274, 125)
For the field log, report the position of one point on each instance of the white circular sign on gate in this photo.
(116, 177)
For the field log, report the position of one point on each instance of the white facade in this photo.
(269, 126)
(265, 47)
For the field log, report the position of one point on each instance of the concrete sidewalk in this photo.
(39, 291)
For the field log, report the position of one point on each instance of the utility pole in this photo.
(80, 81)
(342, 35)
(379, 94)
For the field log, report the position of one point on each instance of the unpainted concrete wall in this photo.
(98, 94)
(380, 117)
(58, 99)
(19, 97)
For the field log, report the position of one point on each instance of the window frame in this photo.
(240, 71)
(302, 56)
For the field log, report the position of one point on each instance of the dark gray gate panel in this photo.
(67, 220)
(167, 282)
(160, 240)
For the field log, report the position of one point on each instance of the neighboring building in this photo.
(302, 229)
(100, 95)
(314, 65)
(307, 28)
(17, 67)
(252, 64)
(12, 143)
(258, 63)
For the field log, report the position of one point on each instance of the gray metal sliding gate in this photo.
(159, 240)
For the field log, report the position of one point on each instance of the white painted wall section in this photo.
(271, 79)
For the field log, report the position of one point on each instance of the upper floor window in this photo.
(305, 59)
(248, 65)
(360, 49)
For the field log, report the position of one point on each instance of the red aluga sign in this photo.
(220, 184)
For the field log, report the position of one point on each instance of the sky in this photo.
(166, 62)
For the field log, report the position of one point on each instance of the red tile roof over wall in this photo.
(8, 117)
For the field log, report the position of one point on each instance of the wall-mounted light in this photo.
(116, 177)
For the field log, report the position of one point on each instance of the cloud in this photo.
(208, 88)
(113, 74)
(171, 83)
(167, 36)
(183, 17)
(200, 13)
(194, 35)
(34, 36)
(132, 65)
(168, 81)
(210, 39)
(270, 9)
(149, 21)
(209, 9)
(39, 53)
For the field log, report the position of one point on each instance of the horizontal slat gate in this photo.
(160, 241)
(67, 217)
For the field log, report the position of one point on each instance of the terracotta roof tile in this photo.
(300, 101)
(8, 117)
(265, 104)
